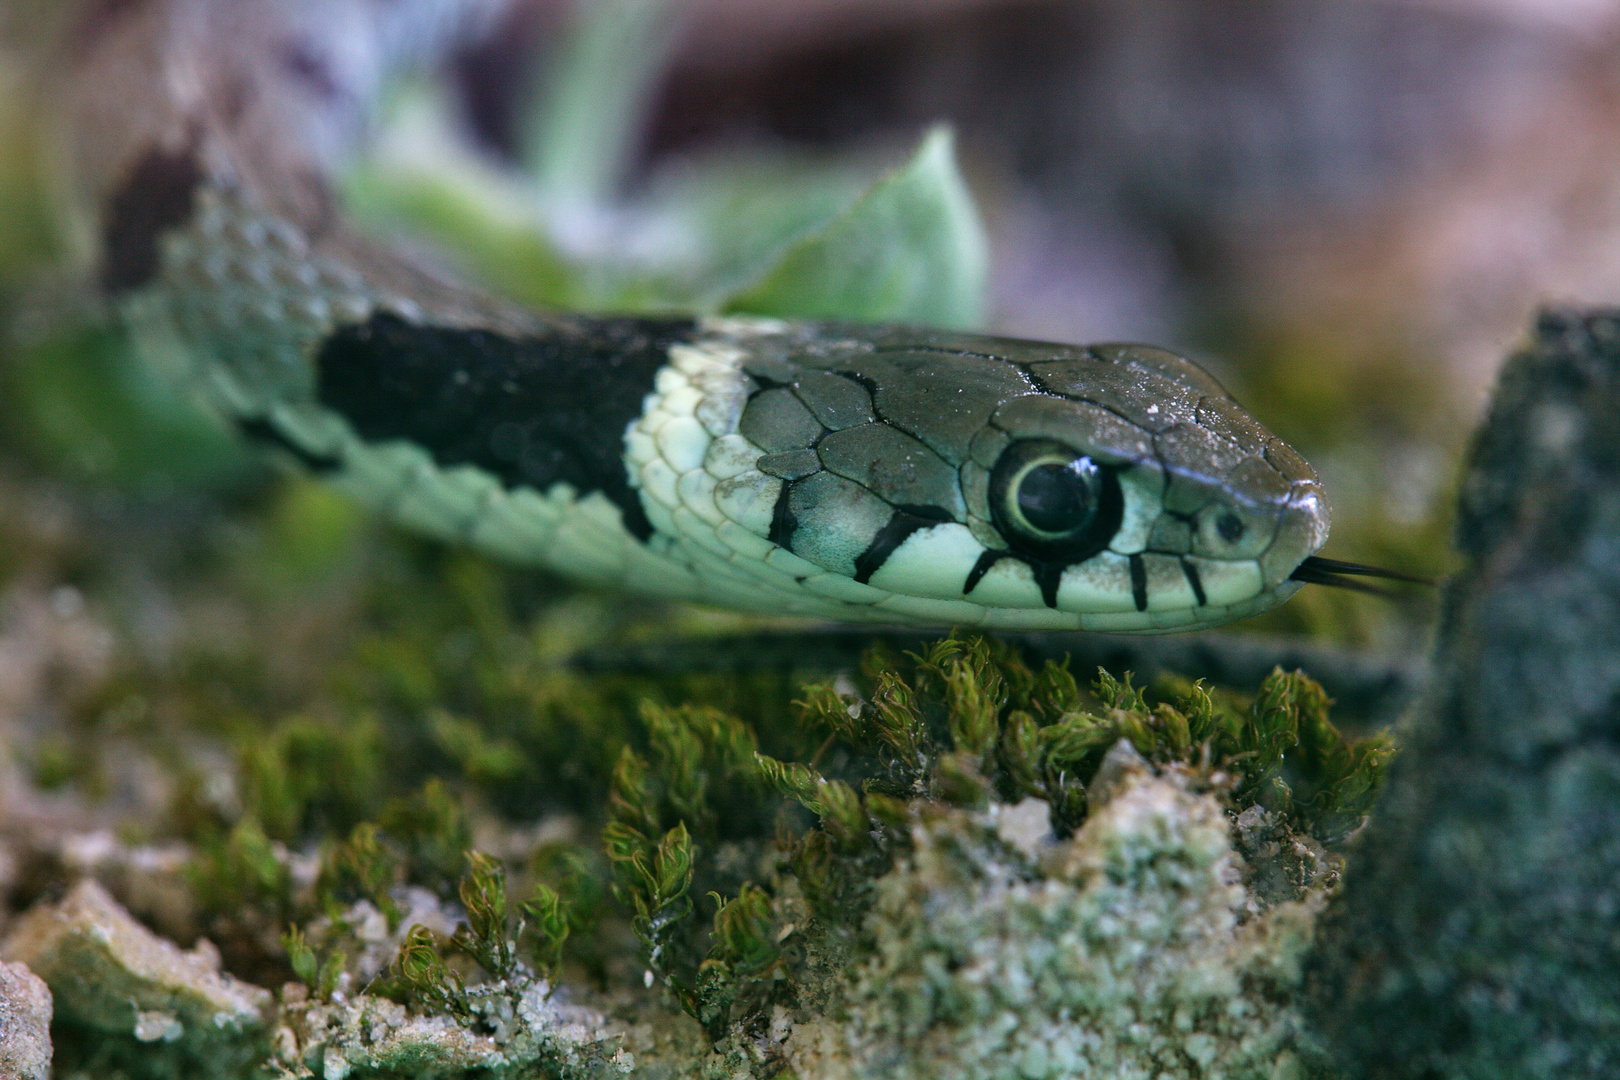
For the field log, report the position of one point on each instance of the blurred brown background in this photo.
(1383, 179)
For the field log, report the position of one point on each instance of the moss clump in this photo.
(968, 721)
(748, 878)
(964, 726)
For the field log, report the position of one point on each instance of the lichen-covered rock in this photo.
(517, 1028)
(1476, 936)
(109, 973)
(1118, 953)
(25, 1024)
(1282, 863)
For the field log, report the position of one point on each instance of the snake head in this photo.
(1132, 484)
(955, 478)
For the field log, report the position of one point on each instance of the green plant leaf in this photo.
(911, 250)
(581, 128)
(483, 937)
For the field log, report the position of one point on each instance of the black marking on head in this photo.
(1138, 581)
(987, 559)
(783, 521)
(1190, 572)
(159, 194)
(901, 524)
(534, 411)
(1048, 575)
(261, 430)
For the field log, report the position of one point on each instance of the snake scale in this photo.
(889, 473)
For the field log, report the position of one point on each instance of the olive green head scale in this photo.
(1114, 487)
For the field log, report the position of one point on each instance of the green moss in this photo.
(243, 873)
(695, 809)
(510, 944)
(422, 978)
(552, 919)
(367, 867)
(317, 970)
(306, 773)
(969, 717)
(964, 724)
(483, 937)
(431, 829)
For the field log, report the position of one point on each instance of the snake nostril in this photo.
(1230, 527)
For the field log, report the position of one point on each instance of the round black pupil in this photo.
(1058, 498)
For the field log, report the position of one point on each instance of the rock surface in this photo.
(1477, 933)
(109, 974)
(25, 1024)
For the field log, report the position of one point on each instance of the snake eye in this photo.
(1053, 504)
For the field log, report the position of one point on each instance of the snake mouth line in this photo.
(1346, 575)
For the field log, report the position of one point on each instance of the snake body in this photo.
(896, 474)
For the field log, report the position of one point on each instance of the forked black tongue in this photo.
(1347, 575)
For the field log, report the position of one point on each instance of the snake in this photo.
(859, 473)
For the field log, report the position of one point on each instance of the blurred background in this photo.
(1393, 178)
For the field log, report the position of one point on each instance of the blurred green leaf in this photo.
(79, 401)
(911, 250)
(581, 127)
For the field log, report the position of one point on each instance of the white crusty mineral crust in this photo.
(522, 1031)
(1116, 954)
